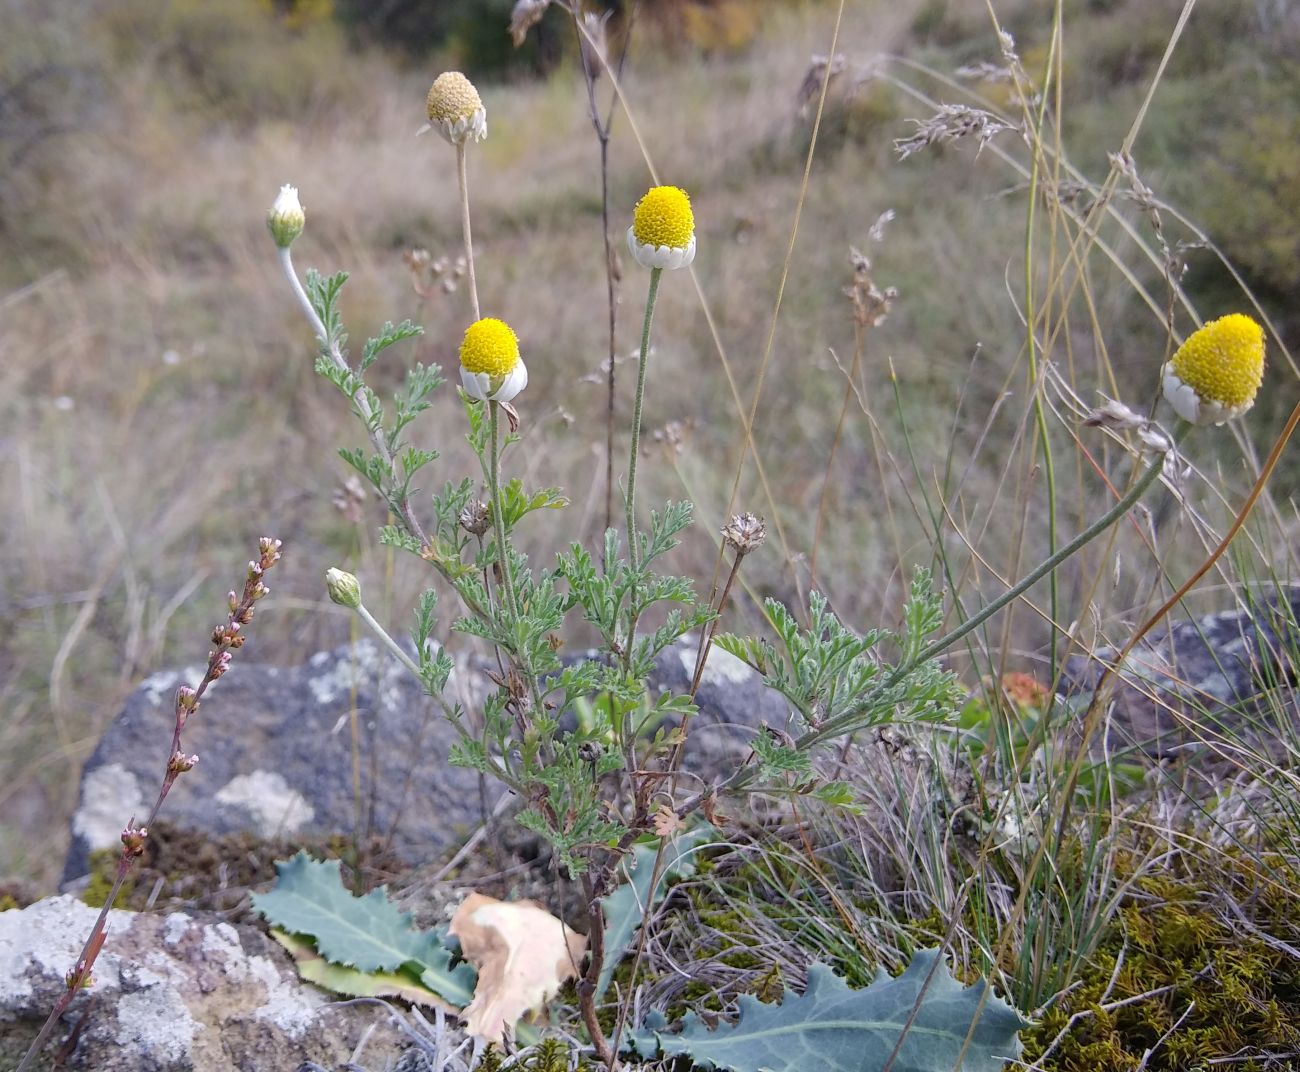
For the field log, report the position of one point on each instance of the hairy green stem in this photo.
(632, 548)
(498, 510)
(391, 644)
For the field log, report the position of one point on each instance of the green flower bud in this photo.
(344, 589)
(286, 218)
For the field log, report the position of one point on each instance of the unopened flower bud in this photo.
(180, 762)
(133, 839)
(186, 698)
(343, 588)
(232, 601)
(744, 533)
(286, 218)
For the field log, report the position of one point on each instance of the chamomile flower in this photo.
(1215, 374)
(491, 369)
(455, 109)
(662, 234)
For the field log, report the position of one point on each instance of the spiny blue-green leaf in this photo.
(625, 907)
(831, 1028)
(368, 933)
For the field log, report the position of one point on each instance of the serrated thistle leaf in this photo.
(625, 907)
(367, 933)
(352, 982)
(832, 1028)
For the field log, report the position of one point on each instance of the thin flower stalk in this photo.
(226, 639)
(463, 180)
(498, 508)
(642, 364)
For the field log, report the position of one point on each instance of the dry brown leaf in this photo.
(666, 821)
(523, 955)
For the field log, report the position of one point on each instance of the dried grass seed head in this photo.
(491, 369)
(1214, 376)
(662, 234)
(455, 109)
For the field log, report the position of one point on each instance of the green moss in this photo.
(103, 873)
(549, 1055)
(1178, 975)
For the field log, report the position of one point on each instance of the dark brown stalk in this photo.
(226, 639)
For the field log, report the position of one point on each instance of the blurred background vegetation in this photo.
(157, 405)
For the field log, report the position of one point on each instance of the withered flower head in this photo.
(744, 533)
(474, 517)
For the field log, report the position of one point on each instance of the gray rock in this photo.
(174, 992)
(1227, 674)
(275, 750)
(276, 758)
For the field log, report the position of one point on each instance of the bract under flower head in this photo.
(1215, 374)
(286, 218)
(490, 366)
(455, 109)
(662, 234)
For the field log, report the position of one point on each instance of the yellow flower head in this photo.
(1215, 374)
(490, 366)
(455, 109)
(662, 234)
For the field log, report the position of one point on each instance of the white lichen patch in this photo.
(344, 675)
(44, 941)
(160, 688)
(163, 683)
(290, 1008)
(110, 795)
(155, 1021)
(274, 806)
(722, 668)
(175, 927)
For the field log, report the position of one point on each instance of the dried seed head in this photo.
(455, 109)
(474, 517)
(820, 69)
(744, 533)
(595, 41)
(951, 122)
(526, 15)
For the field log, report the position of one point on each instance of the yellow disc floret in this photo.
(489, 346)
(663, 217)
(1223, 362)
(452, 96)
